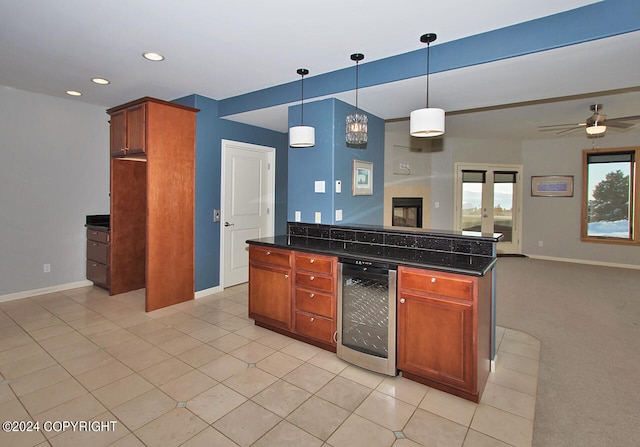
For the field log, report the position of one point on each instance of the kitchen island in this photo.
(445, 297)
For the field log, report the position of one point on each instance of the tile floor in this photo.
(202, 374)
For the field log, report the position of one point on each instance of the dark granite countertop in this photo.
(98, 221)
(468, 254)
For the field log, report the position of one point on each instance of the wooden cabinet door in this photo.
(118, 131)
(435, 339)
(128, 131)
(270, 295)
(136, 129)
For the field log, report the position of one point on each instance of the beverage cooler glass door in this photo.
(367, 317)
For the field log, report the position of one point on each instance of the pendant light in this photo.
(427, 122)
(357, 122)
(302, 136)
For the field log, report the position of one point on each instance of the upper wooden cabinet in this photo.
(128, 131)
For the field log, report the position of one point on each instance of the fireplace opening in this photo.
(407, 212)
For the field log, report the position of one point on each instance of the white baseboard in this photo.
(207, 292)
(585, 261)
(44, 290)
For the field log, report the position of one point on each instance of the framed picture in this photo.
(362, 180)
(552, 185)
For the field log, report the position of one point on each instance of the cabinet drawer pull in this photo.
(268, 253)
(286, 276)
(401, 300)
(311, 261)
(335, 337)
(433, 280)
(311, 295)
(312, 319)
(311, 278)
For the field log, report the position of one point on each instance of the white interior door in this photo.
(248, 196)
(488, 200)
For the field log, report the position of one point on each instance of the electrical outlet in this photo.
(47, 268)
(298, 216)
(318, 217)
(338, 215)
(540, 244)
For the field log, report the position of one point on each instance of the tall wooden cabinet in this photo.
(153, 200)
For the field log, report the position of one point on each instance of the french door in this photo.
(488, 201)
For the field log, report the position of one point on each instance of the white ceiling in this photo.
(220, 49)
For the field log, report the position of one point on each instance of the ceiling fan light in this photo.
(596, 129)
(428, 122)
(302, 136)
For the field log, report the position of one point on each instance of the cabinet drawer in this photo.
(98, 236)
(98, 273)
(270, 256)
(98, 252)
(314, 326)
(314, 281)
(314, 302)
(439, 283)
(314, 263)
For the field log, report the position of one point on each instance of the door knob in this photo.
(227, 224)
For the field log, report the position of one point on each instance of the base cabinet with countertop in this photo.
(444, 334)
(445, 297)
(294, 293)
(270, 286)
(315, 296)
(98, 269)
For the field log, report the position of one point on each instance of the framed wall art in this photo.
(552, 185)
(362, 180)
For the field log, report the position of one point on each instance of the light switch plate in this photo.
(318, 217)
(338, 215)
(319, 186)
(298, 217)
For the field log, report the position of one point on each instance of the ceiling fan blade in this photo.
(625, 118)
(550, 126)
(567, 131)
(618, 124)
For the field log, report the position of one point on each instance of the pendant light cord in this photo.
(302, 102)
(357, 87)
(428, 46)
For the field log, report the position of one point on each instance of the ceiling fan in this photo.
(595, 126)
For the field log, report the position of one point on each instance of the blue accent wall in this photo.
(330, 160)
(210, 131)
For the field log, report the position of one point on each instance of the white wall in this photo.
(54, 171)
(556, 221)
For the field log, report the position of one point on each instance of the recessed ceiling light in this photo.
(73, 93)
(153, 56)
(101, 81)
